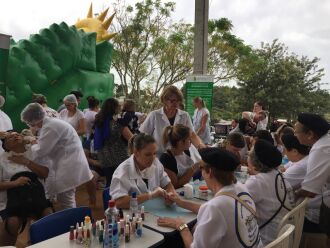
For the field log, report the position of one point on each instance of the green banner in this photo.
(199, 86)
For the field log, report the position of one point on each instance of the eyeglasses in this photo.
(173, 100)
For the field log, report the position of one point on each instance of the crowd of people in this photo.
(156, 155)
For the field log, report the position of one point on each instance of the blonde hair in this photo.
(170, 91)
(199, 99)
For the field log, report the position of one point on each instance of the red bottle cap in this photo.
(203, 187)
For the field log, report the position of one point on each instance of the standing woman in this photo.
(177, 160)
(90, 113)
(110, 137)
(72, 115)
(168, 115)
(201, 120)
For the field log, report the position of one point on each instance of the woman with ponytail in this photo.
(201, 120)
(177, 160)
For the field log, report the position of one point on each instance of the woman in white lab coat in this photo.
(271, 193)
(168, 115)
(218, 222)
(59, 142)
(141, 173)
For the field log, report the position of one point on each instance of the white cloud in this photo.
(303, 25)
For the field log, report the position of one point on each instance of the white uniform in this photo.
(90, 119)
(5, 125)
(60, 143)
(127, 179)
(72, 120)
(157, 120)
(263, 192)
(261, 125)
(9, 169)
(317, 178)
(197, 122)
(223, 223)
(295, 175)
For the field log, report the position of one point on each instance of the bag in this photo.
(28, 200)
(324, 220)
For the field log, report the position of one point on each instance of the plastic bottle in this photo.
(134, 206)
(111, 213)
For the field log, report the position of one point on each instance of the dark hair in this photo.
(244, 127)
(290, 142)
(174, 134)
(236, 139)
(77, 93)
(257, 164)
(92, 102)
(139, 141)
(315, 123)
(223, 177)
(108, 109)
(39, 98)
(264, 135)
(129, 105)
(260, 104)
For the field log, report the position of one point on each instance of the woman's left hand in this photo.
(19, 159)
(170, 222)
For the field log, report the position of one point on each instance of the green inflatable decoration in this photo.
(54, 62)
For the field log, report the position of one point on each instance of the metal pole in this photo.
(201, 36)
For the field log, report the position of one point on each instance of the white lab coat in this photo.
(157, 120)
(59, 142)
(317, 178)
(263, 192)
(223, 222)
(5, 125)
(127, 179)
(295, 174)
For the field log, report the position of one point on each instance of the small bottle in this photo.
(111, 213)
(142, 213)
(121, 214)
(101, 234)
(133, 224)
(87, 223)
(134, 204)
(71, 237)
(79, 239)
(77, 228)
(127, 234)
(122, 228)
(139, 228)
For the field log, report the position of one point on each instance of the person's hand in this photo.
(174, 197)
(170, 222)
(3, 135)
(158, 192)
(19, 159)
(21, 181)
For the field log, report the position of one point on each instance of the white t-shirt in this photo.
(317, 179)
(5, 125)
(295, 174)
(263, 192)
(157, 120)
(197, 122)
(89, 119)
(127, 179)
(9, 169)
(223, 222)
(72, 120)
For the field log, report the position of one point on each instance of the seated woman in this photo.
(295, 174)
(17, 169)
(271, 193)
(141, 173)
(218, 224)
(177, 160)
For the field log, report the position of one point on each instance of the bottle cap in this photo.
(203, 187)
(111, 203)
(133, 194)
(87, 219)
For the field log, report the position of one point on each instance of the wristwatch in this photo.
(182, 227)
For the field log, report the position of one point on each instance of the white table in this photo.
(149, 238)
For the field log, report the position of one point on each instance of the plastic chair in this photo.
(283, 239)
(106, 198)
(57, 223)
(296, 217)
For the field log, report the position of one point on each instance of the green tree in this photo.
(282, 81)
(150, 52)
